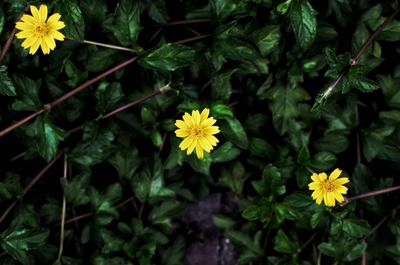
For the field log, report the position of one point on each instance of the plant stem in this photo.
(191, 21)
(64, 206)
(135, 102)
(61, 99)
(360, 52)
(193, 39)
(370, 194)
(111, 46)
(29, 186)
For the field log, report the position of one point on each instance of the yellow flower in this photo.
(198, 130)
(40, 31)
(328, 189)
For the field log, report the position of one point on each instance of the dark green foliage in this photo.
(289, 88)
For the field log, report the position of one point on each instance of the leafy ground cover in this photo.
(94, 171)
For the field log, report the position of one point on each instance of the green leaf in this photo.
(356, 227)
(27, 91)
(10, 187)
(303, 19)
(102, 59)
(221, 88)
(225, 153)
(158, 11)
(127, 22)
(199, 165)
(271, 182)
(333, 142)
(95, 147)
(174, 254)
(108, 95)
(225, 8)
(161, 215)
(126, 161)
(233, 130)
(267, 38)
(223, 221)
(46, 137)
(72, 17)
(168, 57)
(19, 241)
(94, 10)
(221, 111)
(2, 19)
(285, 245)
(234, 177)
(261, 148)
(7, 87)
(284, 107)
(75, 190)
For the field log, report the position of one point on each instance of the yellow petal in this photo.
(188, 119)
(191, 147)
(24, 26)
(208, 122)
(24, 34)
(57, 35)
(35, 46)
(180, 124)
(322, 176)
(315, 177)
(43, 12)
(335, 174)
(199, 152)
(205, 145)
(45, 48)
(53, 18)
(186, 143)
(50, 42)
(29, 42)
(212, 130)
(204, 115)
(341, 189)
(182, 133)
(57, 25)
(35, 12)
(341, 181)
(29, 19)
(314, 185)
(319, 197)
(196, 117)
(339, 197)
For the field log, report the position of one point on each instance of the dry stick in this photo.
(86, 215)
(111, 46)
(29, 186)
(193, 39)
(7, 45)
(358, 144)
(185, 22)
(66, 96)
(369, 194)
(360, 52)
(381, 222)
(308, 242)
(64, 206)
(135, 102)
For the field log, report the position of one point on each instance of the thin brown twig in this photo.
(191, 21)
(308, 242)
(135, 102)
(364, 258)
(358, 144)
(63, 210)
(193, 39)
(66, 96)
(29, 186)
(21, 155)
(360, 52)
(370, 194)
(381, 222)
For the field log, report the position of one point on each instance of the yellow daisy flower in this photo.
(38, 30)
(198, 130)
(328, 189)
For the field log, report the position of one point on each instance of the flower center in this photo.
(196, 132)
(328, 185)
(42, 30)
